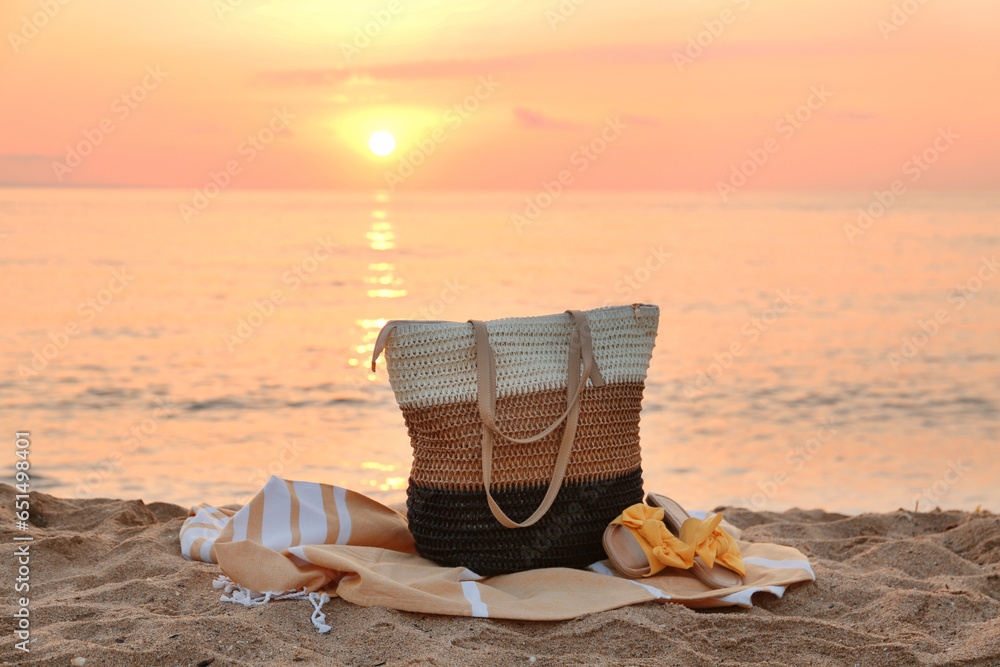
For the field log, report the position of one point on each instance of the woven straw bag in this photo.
(525, 432)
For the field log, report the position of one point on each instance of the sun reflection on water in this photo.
(381, 236)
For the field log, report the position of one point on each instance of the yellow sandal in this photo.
(717, 561)
(639, 544)
(645, 539)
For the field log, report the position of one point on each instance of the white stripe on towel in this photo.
(470, 590)
(601, 568)
(340, 497)
(742, 598)
(657, 593)
(276, 529)
(192, 534)
(312, 514)
(241, 521)
(206, 551)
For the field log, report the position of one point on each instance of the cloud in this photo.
(464, 67)
(534, 119)
(601, 56)
(425, 69)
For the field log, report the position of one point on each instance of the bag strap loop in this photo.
(383, 335)
(581, 349)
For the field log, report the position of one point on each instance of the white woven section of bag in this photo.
(435, 363)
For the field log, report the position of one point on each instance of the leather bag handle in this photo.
(581, 349)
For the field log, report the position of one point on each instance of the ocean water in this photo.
(799, 362)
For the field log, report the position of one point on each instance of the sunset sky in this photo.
(167, 93)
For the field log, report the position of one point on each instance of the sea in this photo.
(814, 350)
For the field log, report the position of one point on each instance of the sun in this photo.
(382, 143)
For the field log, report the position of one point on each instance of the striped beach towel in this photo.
(316, 541)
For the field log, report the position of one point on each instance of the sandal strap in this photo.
(712, 543)
(662, 548)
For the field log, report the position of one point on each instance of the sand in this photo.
(109, 585)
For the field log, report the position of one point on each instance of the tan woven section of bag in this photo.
(447, 451)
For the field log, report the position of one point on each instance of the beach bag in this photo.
(525, 432)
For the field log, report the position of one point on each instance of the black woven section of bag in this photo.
(457, 528)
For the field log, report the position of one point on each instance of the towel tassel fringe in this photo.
(248, 598)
